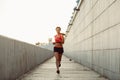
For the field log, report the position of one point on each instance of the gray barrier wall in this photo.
(17, 58)
(93, 37)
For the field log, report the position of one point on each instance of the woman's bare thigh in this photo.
(56, 54)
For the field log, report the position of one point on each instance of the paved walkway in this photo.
(69, 70)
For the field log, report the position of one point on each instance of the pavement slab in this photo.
(69, 70)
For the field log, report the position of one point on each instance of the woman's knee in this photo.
(58, 59)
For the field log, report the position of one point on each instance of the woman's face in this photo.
(58, 30)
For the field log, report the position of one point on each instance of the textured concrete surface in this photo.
(17, 58)
(69, 70)
(93, 38)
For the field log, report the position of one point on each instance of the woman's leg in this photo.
(56, 54)
(60, 57)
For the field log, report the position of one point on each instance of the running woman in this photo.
(58, 48)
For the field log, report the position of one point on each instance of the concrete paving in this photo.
(69, 70)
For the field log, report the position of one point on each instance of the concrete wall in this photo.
(17, 58)
(94, 37)
(48, 46)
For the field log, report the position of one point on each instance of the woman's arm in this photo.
(53, 43)
(62, 39)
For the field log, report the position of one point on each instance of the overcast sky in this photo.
(34, 20)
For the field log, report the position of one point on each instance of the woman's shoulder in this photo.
(61, 34)
(55, 35)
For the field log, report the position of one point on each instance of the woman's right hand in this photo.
(53, 43)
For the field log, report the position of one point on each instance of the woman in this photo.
(58, 48)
